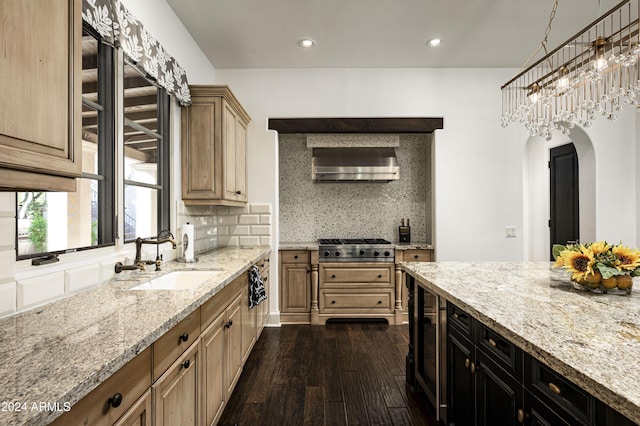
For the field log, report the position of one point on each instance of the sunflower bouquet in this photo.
(598, 266)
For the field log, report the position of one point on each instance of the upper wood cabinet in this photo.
(40, 95)
(214, 141)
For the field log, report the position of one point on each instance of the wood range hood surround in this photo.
(356, 125)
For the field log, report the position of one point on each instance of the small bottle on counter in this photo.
(404, 232)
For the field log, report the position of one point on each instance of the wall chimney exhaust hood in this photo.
(354, 165)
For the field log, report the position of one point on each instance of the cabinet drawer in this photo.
(459, 319)
(171, 345)
(295, 256)
(335, 301)
(558, 392)
(500, 350)
(366, 275)
(130, 382)
(418, 256)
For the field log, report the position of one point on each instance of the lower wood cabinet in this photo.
(295, 286)
(186, 376)
(176, 394)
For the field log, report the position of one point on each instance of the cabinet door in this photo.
(460, 382)
(295, 289)
(498, 394)
(176, 395)
(234, 344)
(241, 160)
(213, 364)
(139, 414)
(40, 89)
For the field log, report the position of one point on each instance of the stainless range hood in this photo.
(354, 165)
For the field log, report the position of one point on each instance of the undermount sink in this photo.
(177, 280)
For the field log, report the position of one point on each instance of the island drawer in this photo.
(500, 350)
(295, 256)
(460, 320)
(558, 392)
(109, 401)
(369, 302)
(174, 342)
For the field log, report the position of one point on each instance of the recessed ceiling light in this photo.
(434, 42)
(306, 42)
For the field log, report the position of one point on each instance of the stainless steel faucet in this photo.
(139, 263)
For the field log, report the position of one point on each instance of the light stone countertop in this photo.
(313, 245)
(593, 340)
(61, 351)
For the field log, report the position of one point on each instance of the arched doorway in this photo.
(537, 193)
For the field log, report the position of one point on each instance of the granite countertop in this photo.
(313, 245)
(61, 351)
(593, 340)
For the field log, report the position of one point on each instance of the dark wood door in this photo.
(564, 220)
(461, 397)
(498, 394)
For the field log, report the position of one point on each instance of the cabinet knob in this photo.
(333, 276)
(466, 363)
(379, 275)
(472, 368)
(521, 416)
(379, 302)
(238, 192)
(554, 388)
(333, 302)
(228, 324)
(186, 364)
(456, 316)
(295, 256)
(492, 343)
(115, 400)
(415, 256)
(184, 337)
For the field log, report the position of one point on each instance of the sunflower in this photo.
(626, 258)
(599, 247)
(580, 263)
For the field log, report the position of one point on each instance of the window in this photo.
(58, 222)
(146, 156)
(54, 222)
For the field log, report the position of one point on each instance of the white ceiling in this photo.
(379, 33)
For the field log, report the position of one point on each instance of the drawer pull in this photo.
(184, 337)
(554, 388)
(333, 276)
(466, 363)
(415, 256)
(238, 192)
(295, 256)
(379, 276)
(472, 368)
(186, 364)
(492, 343)
(456, 316)
(379, 302)
(333, 302)
(228, 324)
(115, 400)
(521, 416)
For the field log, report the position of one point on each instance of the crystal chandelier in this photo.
(595, 73)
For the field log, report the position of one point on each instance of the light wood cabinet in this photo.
(174, 342)
(360, 290)
(113, 398)
(295, 286)
(412, 255)
(214, 141)
(176, 394)
(249, 320)
(40, 95)
(139, 414)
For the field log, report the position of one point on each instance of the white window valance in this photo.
(119, 28)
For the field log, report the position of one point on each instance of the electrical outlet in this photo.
(510, 231)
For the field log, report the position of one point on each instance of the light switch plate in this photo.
(510, 231)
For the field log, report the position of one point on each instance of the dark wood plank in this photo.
(356, 125)
(344, 373)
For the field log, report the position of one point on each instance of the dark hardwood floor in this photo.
(344, 373)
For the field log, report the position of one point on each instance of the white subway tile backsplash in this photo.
(265, 219)
(239, 230)
(260, 208)
(249, 241)
(7, 298)
(7, 261)
(265, 241)
(34, 291)
(228, 220)
(7, 232)
(223, 230)
(80, 278)
(260, 230)
(249, 219)
(8, 204)
(228, 241)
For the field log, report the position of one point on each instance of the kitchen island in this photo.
(592, 340)
(56, 354)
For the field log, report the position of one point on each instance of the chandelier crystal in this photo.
(595, 73)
